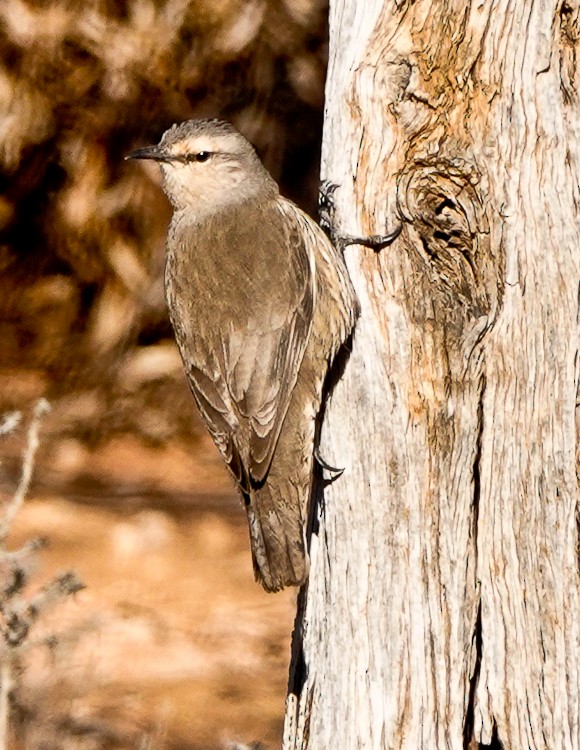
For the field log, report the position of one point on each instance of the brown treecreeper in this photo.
(260, 301)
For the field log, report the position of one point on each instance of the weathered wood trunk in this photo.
(443, 606)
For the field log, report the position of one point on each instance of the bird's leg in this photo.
(341, 241)
(323, 464)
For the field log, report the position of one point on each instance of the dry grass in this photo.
(170, 645)
(20, 610)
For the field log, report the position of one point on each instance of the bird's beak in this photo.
(149, 152)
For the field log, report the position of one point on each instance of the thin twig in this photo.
(6, 684)
(10, 422)
(41, 408)
(20, 617)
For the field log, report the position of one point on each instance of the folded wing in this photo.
(243, 354)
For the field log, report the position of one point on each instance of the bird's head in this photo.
(207, 164)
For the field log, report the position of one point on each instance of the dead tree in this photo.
(442, 609)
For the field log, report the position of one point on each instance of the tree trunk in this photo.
(442, 609)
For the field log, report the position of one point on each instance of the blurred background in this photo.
(172, 644)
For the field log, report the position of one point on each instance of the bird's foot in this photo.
(326, 466)
(375, 241)
(326, 207)
(326, 211)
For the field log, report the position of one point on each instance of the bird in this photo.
(260, 302)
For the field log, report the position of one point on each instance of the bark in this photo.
(442, 608)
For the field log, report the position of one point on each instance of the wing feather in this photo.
(242, 309)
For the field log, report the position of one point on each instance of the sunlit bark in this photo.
(443, 606)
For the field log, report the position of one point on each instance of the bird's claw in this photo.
(326, 466)
(375, 241)
(326, 219)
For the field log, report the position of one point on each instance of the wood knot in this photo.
(446, 223)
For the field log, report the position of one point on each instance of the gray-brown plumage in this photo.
(260, 302)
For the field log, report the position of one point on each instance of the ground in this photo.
(171, 644)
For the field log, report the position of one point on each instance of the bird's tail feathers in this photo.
(277, 539)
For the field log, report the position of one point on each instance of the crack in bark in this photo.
(298, 669)
(577, 424)
(569, 35)
(476, 471)
(477, 635)
(495, 743)
(469, 715)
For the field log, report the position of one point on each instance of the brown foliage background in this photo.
(82, 83)
(83, 323)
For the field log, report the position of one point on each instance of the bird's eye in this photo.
(199, 156)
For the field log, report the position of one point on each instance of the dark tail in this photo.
(277, 536)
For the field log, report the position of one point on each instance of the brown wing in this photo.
(243, 349)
